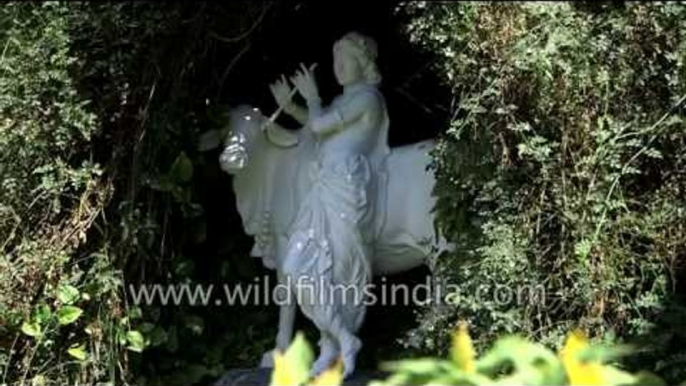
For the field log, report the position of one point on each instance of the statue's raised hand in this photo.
(282, 93)
(306, 85)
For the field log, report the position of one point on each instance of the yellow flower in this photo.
(333, 376)
(578, 372)
(292, 367)
(462, 350)
(280, 374)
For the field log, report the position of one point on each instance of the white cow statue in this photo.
(332, 202)
(270, 175)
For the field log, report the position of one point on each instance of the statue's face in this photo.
(245, 122)
(345, 65)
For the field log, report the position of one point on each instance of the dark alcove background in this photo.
(290, 34)
(305, 33)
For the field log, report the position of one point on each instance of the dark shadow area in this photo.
(292, 34)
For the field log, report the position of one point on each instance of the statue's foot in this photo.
(349, 349)
(325, 360)
(267, 359)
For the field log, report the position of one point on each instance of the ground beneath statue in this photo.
(261, 377)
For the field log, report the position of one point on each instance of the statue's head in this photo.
(244, 127)
(355, 59)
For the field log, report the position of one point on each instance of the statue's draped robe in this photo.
(328, 259)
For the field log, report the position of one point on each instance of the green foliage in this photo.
(513, 359)
(52, 190)
(100, 105)
(562, 172)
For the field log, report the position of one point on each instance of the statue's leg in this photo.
(286, 322)
(287, 311)
(349, 344)
(328, 353)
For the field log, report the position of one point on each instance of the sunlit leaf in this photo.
(67, 294)
(39, 380)
(31, 329)
(135, 340)
(68, 314)
(78, 352)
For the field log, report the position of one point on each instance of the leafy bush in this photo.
(52, 191)
(90, 202)
(562, 171)
(515, 360)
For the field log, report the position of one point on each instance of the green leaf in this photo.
(606, 353)
(620, 377)
(158, 336)
(648, 378)
(30, 329)
(38, 380)
(162, 184)
(194, 323)
(196, 372)
(416, 366)
(78, 352)
(135, 312)
(583, 248)
(146, 327)
(184, 268)
(182, 169)
(68, 294)
(172, 344)
(136, 341)
(523, 355)
(68, 314)
(43, 314)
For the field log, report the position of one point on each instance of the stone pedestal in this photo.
(262, 377)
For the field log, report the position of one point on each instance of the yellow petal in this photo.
(588, 374)
(578, 372)
(292, 367)
(281, 375)
(333, 376)
(462, 351)
(575, 343)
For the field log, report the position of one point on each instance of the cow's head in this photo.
(245, 127)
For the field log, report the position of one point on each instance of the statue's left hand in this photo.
(306, 85)
(282, 93)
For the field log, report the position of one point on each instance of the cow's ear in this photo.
(210, 140)
(280, 137)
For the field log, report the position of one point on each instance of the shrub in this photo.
(89, 200)
(561, 171)
(52, 191)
